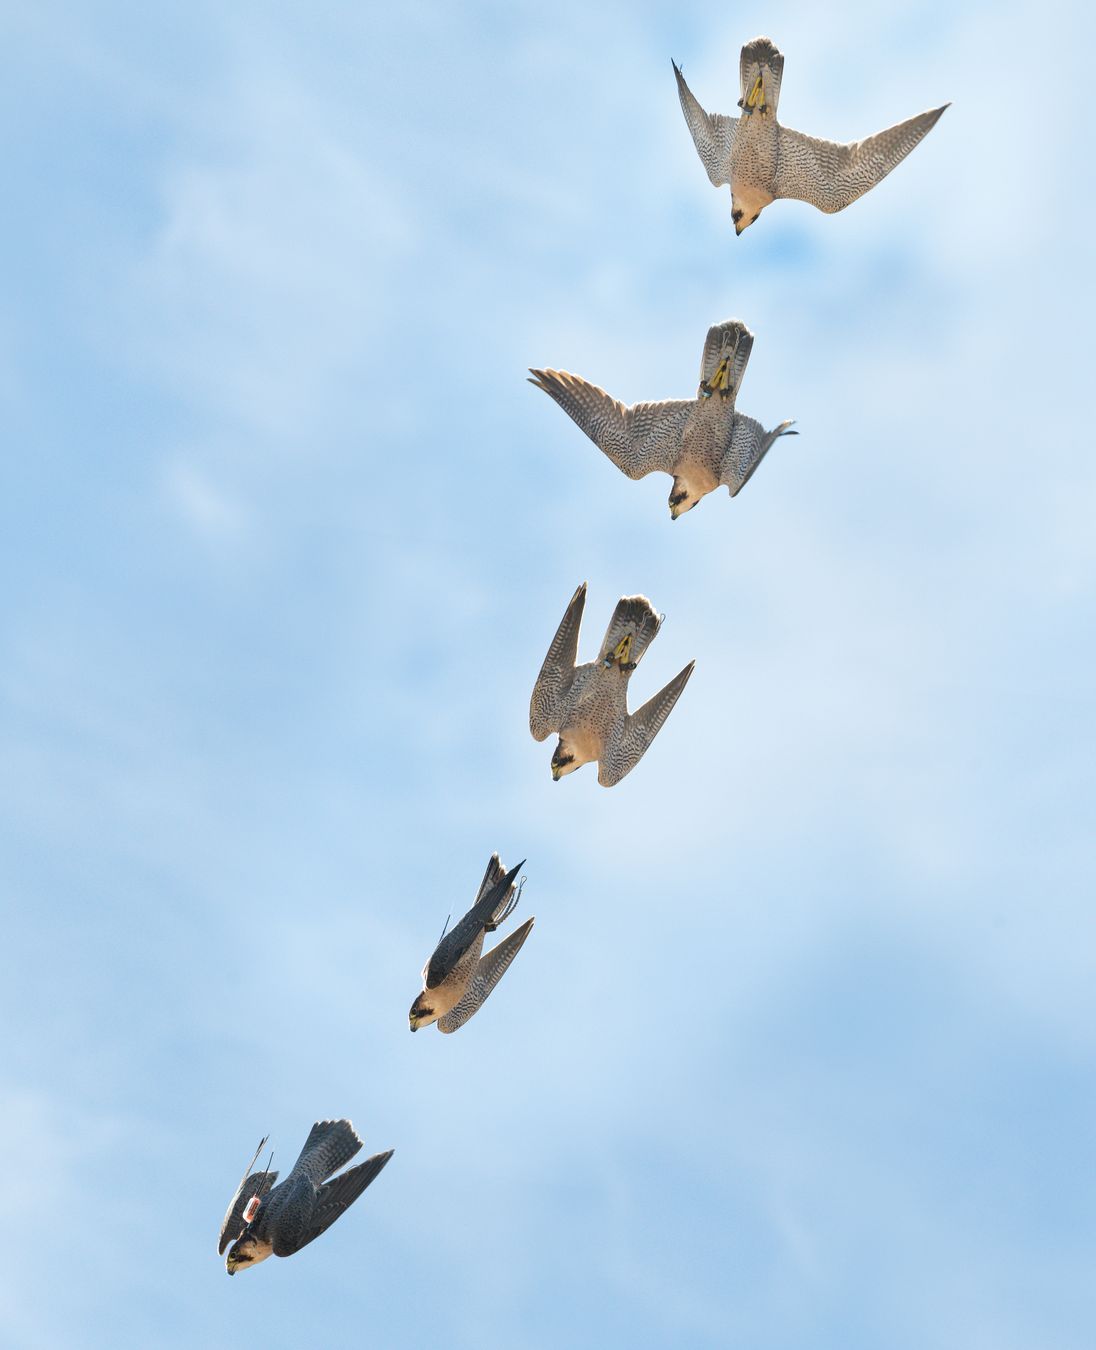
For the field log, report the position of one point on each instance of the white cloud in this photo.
(771, 968)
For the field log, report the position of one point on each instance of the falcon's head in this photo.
(564, 760)
(245, 1252)
(742, 216)
(421, 1014)
(683, 497)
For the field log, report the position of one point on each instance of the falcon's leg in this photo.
(512, 904)
(620, 654)
(755, 99)
(721, 380)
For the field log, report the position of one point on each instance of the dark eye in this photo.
(736, 216)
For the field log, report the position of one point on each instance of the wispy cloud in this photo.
(793, 1054)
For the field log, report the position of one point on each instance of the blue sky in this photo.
(800, 1051)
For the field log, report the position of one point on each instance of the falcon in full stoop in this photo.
(457, 979)
(265, 1220)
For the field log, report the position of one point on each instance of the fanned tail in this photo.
(760, 70)
(631, 631)
(726, 354)
(329, 1145)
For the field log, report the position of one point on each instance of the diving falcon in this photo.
(587, 705)
(762, 160)
(264, 1219)
(703, 443)
(457, 979)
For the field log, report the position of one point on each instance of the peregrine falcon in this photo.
(264, 1219)
(703, 443)
(457, 980)
(588, 705)
(762, 160)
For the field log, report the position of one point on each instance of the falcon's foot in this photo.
(721, 380)
(511, 905)
(755, 99)
(620, 653)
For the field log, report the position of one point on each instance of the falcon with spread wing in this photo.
(762, 160)
(703, 442)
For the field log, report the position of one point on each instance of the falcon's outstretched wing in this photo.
(253, 1184)
(831, 176)
(622, 753)
(712, 133)
(640, 439)
(750, 443)
(333, 1198)
(557, 672)
(489, 971)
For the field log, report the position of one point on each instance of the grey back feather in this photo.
(255, 1183)
(489, 970)
(624, 751)
(453, 946)
(310, 1213)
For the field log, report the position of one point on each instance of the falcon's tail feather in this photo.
(494, 874)
(631, 631)
(760, 67)
(726, 353)
(330, 1144)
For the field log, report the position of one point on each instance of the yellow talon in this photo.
(722, 377)
(623, 649)
(757, 94)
